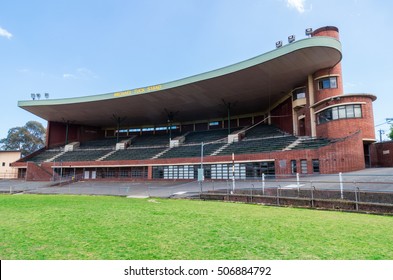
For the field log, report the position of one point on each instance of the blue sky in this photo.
(72, 48)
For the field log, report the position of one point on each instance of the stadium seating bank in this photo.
(280, 113)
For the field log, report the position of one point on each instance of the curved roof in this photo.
(253, 84)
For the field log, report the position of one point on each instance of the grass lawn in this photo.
(98, 227)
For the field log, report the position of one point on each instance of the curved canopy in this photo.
(254, 85)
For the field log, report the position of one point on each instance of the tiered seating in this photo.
(46, 155)
(82, 155)
(206, 136)
(109, 143)
(259, 139)
(191, 151)
(263, 131)
(135, 153)
(312, 143)
(259, 145)
(152, 140)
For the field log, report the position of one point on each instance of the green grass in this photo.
(93, 227)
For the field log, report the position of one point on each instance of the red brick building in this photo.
(280, 113)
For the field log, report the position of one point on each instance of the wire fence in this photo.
(337, 191)
(363, 193)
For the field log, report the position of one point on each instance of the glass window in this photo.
(350, 112)
(213, 123)
(340, 112)
(299, 93)
(329, 82)
(315, 165)
(358, 111)
(334, 113)
(325, 116)
(303, 166)
(333, 82)
(293, 167)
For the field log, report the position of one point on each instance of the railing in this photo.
(339, 192)
(350, 192)
(8, 175)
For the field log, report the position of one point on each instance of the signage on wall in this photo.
(137, 91)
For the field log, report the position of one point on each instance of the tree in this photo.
(391, 132)
(28, 138)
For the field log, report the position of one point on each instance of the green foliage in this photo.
(91, 227)
(27, 139)
(391, 132)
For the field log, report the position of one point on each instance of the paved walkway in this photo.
(375, 179)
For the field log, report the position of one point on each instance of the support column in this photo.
(311, 99)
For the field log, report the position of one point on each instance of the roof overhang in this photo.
(253, 85)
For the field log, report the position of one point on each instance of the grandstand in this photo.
(265, 115)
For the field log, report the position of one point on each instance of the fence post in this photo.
(340, 176)
(356, 199)
(312, 196)
(298, 183)
(252, 189)
(278, 195)
(263, 183)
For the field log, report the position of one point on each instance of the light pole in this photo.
(233, 173)
(200, 170)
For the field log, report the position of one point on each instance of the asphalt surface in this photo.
(374, 179)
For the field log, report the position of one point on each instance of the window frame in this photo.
(340, 112)
(327, 83)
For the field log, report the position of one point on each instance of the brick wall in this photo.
(345, 127)
(382, 154)
(320, 94)
(330, 31)
(57, 134)
(281, 116)
(38, 173)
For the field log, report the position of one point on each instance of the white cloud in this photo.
(86, 73)
(5, 33)
(69, 76)
(81, 73)
(297, 4)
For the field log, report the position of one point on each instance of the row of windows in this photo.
(215, 171)
(340, 112)
(303, 166)
(324, 83)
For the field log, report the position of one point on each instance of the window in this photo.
(315, 165)
(299, 93)
(340, 112)
(3, 164)
(329, 82)
(358, 111)
(303, 166)
(293, 167)
(124, 173)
